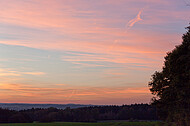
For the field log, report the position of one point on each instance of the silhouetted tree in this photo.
(171, 86)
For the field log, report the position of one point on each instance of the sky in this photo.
(85, 51)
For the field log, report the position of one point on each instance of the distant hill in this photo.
(23, 106)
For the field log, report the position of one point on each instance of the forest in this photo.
(134, 112)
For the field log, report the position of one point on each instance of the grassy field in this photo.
(86, 124)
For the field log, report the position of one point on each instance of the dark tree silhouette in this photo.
(86, 114)
(171, 86)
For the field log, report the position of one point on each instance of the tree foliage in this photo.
(171, 86)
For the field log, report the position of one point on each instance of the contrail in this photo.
(135, 20)
(128, 25)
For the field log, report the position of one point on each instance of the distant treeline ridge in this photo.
(85, 114)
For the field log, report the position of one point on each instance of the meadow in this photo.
(86, 124)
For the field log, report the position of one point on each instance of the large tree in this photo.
(171, 86)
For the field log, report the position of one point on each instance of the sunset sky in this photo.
(85, 51)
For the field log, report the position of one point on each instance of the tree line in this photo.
(85, 114)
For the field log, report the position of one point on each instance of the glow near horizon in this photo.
(103, 52)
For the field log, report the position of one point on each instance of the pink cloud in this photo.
(67, 23)
(78, 26)
(135, 20)
(82, 94)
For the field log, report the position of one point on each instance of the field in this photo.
(86, 124)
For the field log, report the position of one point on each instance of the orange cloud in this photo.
(34, 73)
(8, 72)
(60, 84)
(76, 94)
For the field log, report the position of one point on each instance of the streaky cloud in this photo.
(135, 20)
(34, 73)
